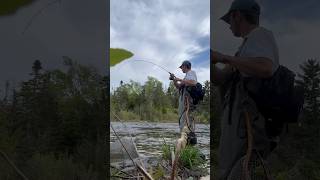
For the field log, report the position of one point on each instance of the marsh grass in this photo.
(190, 157)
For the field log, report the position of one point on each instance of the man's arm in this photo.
(176, 84)
(253, 66)
(221, 75)
(187, 82)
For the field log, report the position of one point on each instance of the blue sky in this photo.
(163, 31)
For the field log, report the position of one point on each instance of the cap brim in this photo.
(226, 18)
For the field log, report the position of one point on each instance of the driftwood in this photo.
(182, 141)
(144, 172)
(127, 149)
(181, 144)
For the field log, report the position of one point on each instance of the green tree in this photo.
(173, 95)
(57, 116)
(310, 80)
(300, 146)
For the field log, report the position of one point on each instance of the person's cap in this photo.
(186, 63)
(248, 6)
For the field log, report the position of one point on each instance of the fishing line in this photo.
(150, 62)
(153, 64)
(129, 129)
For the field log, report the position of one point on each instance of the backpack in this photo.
(196, 92)
(277, 99)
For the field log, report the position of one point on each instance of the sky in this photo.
(162, 31)
(74, 28)
(295, 25)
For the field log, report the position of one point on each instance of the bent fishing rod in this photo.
(150, 62)
(153, 64)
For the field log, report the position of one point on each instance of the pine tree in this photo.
(310, 80)
(309, 134)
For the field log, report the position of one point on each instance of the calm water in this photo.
(149, 137)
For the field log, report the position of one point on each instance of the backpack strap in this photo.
(236, 76)
(235, 80)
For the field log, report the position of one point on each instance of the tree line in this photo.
(152, 102)
(52, 126)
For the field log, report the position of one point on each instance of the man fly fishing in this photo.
(182, 85)
(191, 93)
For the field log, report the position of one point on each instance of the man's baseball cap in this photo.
(248, 6)
(186, 63)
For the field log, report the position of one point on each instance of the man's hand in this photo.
(175, 82)
(217, 57)
(178, 79)
(172, 76)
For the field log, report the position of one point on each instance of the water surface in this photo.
(149, 137)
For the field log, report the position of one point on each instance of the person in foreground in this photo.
(243, 141)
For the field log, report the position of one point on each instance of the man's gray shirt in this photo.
(190, 75)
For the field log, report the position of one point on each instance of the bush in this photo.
(128, 115)
(190, 157)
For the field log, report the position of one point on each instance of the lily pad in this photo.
(117, 55)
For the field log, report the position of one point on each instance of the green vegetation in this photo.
(166, 151)
(159, 172)
(151, 102)
(118, 55)
(52, 126)
(190, 163)
(299, 152)
(190, 157)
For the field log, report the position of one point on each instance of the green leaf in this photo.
(9, 7)
(118, 55)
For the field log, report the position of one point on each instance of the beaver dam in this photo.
(150, 145)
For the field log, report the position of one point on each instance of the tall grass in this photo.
(190, 157)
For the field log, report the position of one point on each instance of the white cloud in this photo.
(202, 74)
(204, 28)
(163, 31)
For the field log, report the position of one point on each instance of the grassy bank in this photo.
(168, 117)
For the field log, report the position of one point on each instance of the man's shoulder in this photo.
(191, 75)
(192, 72)
(261, 32)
